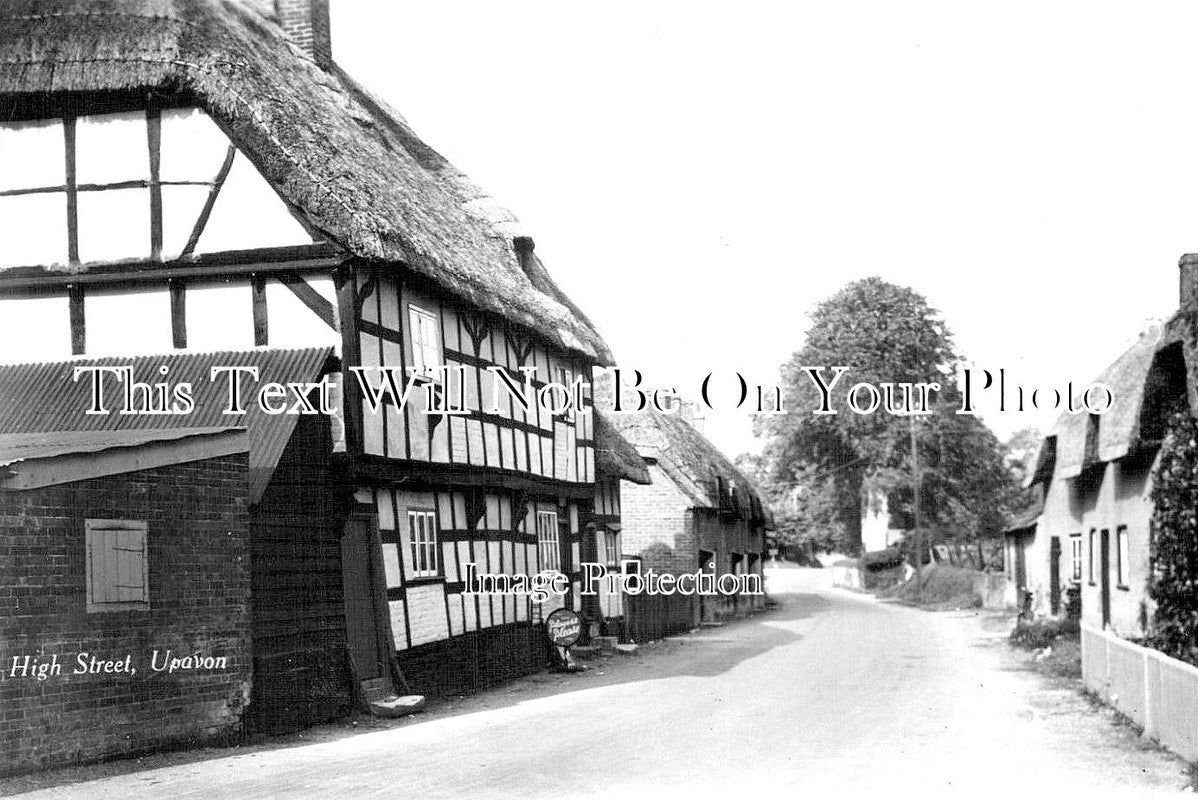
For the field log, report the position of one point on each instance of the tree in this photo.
(886, 334)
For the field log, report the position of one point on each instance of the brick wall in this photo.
(199, 599)
(657, 524)
(476, 660)
(306, 23)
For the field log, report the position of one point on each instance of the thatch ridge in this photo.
(691, 461)
(352, 167)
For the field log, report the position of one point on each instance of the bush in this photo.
(1042, 633)
(940, 585)
(1173, 549)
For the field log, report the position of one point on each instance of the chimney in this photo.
(306, 23)
(1188, 266)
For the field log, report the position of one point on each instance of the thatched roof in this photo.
(615, 456)
(1079, 443)
(349, 164)
(691, 461)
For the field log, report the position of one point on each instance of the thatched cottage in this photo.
(698, 513)
(1088, 527)
(199, 176)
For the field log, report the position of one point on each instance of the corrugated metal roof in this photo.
(15, 447)
(45, 398)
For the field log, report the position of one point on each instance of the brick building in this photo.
(698, 513)
(128, 547)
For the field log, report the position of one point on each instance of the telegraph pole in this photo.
(915, 481)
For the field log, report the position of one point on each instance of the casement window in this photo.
(426, 340)
(1075, 557)
(1093, 555)
(565, 377)
(1123, 557)
(548, 545)
(608, 547)
(422, 533)
(118, 577)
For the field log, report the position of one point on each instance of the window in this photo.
(1075, 557)
(426, 344)
(422, 530)
(608, 547)
(547, 543)
(1123, 556)
(117, 569)
(565, 377)
(1093, 552)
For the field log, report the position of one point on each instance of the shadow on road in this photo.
(703, 653)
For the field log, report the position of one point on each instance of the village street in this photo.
(830, 691)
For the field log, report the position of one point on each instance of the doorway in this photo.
(1104, 564)
(1054, 575)
(368, 651)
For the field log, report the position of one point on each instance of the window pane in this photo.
(110, 148)
(33, 229)
(114, 225)
(32, 155)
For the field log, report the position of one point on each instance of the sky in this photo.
(697, 176)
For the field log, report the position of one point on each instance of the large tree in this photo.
(885, 334)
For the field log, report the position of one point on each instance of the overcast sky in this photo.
(697, 175)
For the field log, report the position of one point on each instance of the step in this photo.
(626, 649)
(712, 624)
(396, 706)
(606, 642)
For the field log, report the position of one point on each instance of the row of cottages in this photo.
(186, 186)
(698, 513)
(1086, 533)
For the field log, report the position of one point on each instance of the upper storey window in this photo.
(131, 186)
(426, 340)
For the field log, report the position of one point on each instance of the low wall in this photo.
(847, 576)
(1158, 693)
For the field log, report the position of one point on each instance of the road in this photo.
(830, 692)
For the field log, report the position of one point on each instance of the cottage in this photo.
(201, 177)
(1087, 530)
(698, 514)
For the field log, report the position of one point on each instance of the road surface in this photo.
(832, 692)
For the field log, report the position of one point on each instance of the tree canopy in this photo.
(884, 334)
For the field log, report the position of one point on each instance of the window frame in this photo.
(424, 542)
(1122, 558)
(420, 348)
(543, 541)
(1091, 553)
(1075, 558)
(94, 530)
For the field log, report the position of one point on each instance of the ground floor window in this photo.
(422, 529)
(1075, 557)
(1123, 556)
(548, 547)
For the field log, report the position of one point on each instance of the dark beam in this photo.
(261, 332)
(311, 298)
(178, 314)
(78, 332)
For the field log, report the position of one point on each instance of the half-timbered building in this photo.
(196, 177)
